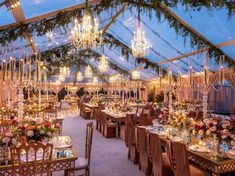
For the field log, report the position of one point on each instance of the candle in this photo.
(190, 76)
(12, 68)
(38, 70)
(206, 75)
(28, 71)
(21, 70)
(4, 69)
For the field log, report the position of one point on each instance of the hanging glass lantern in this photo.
(103, 65)
(136, 75)
(88, 72)
(95, 80)
(79, 76)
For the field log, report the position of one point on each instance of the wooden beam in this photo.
(115, 17)
(220, 45)
(50, 14)
(18, 14)
(185, 24)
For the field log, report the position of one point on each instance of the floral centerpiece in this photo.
(35, 129)
(198, 127)
(163, 117)
(179, 120)
(222, 129)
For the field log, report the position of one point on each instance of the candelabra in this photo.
(205, 105)
(20, 103)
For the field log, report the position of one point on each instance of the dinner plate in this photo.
(201, 149)
(176, 139)
(64, 146)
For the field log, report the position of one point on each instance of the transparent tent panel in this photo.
(39, 7)
(6, 16)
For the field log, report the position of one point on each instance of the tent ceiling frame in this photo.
(199, 35)
(220, 45)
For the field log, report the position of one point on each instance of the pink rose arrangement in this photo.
(220, 128)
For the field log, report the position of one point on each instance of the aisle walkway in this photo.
(109, 156)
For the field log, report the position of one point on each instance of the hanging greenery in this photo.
(62, 20)
(66, 56)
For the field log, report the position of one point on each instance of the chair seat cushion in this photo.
(81, 163)
(196, 172)
(110, 124)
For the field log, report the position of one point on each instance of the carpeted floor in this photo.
(109, 156)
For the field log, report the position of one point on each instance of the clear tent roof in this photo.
(165, 43)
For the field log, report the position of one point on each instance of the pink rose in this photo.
(9, 134)
(14, 141)
(213, 128)
(6, 140)
(38, 120)
(208, 132)
(30, 133)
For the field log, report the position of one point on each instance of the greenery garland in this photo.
(62, 19)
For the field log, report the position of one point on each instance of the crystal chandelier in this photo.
(88, 72)
(86, 34)
(79, 76)
(103, 65)
(136, 75)
(139, 45)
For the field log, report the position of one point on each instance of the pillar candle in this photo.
(28, 71)
(38, 71)
(4, 69)
(206, 75)
(21, 70)
(190, 76)
(12, 68)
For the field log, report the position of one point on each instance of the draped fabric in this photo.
(230, 77)
(145, 165)
(178, 157)
(155, 153)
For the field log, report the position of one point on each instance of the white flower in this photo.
(201, 132)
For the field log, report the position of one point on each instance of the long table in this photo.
(204, 161)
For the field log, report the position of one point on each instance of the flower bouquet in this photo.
(179, 120)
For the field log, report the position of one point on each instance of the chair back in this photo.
(155, 152)
(130, 130)
(144, 119)
(89, 137)
(141, 140)
(31, 158)
(178, 157)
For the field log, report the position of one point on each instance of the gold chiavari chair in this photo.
(84, 163)
(32, 159)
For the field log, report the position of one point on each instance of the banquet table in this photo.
(203, 160)
(92, 107)
(116, 118)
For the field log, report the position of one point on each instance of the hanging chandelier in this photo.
(139, 45)
(86, 34)
(103, 65)
(136, 75)
(88, 72)
(79, 76)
